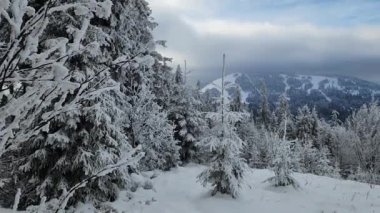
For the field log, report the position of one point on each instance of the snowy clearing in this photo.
(177, 191)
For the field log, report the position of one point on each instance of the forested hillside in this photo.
(326, 92)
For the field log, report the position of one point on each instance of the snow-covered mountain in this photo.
(234, 82)
(327, 93)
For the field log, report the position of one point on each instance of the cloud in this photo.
(176, 5)
(186, 7)
(196, 31)
(271, 42)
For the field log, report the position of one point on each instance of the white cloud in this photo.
(194, 33)
(181, 7)
(231, 28)
(270, 42)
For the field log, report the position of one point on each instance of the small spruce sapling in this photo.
(282, 164)
(226, 170)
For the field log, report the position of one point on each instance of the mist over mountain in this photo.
(325, 92)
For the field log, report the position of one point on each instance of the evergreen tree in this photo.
(316, 124)
(148, 126)
(70, 116)
(365, 123)
(146, 121)
(324, 165)
(163, 79)
(313, 160)
(264, 113)
(188, 121)
(250, 135)
(307, 124)
(198, 97)
(335, 119)
(178, 75)
(226, 170)
(283, 159)
(237, 104)
(342, 146)
(283, 124)
(181, 106)
(209, 104)
(282, 164)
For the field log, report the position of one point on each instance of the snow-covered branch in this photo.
(130, 159)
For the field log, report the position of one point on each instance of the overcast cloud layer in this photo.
(325, 37)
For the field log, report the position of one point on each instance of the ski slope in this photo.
(229, 81)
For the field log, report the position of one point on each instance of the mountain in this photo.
(326, 93)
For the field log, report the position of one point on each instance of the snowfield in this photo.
(177, 191)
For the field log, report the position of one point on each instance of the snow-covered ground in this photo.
(178, 192)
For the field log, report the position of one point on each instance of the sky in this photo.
(286, 36)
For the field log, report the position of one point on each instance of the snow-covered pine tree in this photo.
(182, 112)
(282, 163)
(179, 103)
(313, 160)
(178, 76)
(258, 143)
(237, 105)
(335, 119)
(198, 97)
(209, 104)
(148, 127)
(284, 120)
(283, 159)
(36, 136)
(306, 124)
(162, 80)
(326, 137)
(365, 123)
(315, 131)
(336, 173)
(342, 142)
(226, 170)
(70, 114)
(142, 76)
(248, 132)
(323, 165)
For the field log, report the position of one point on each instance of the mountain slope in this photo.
(234, 82)
(327, 93)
